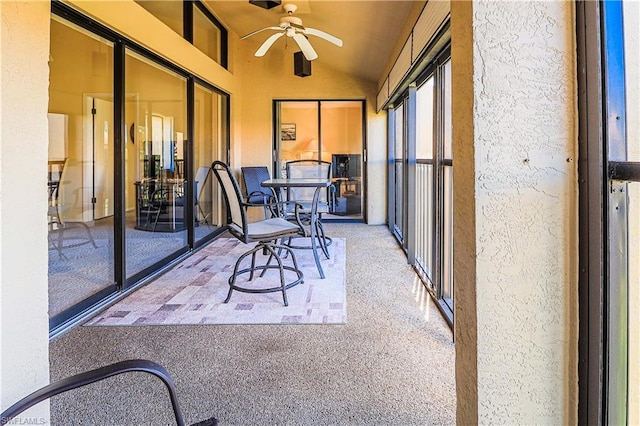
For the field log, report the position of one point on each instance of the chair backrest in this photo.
(307, 169)
(201, 181)
(236, 215)
(57, 174)
(253, 176)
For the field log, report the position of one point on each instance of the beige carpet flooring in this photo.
(392, 363)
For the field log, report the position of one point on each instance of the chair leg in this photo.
(57, 245)
(232, 279)
(205, 217)
(253, 265)
(155, 222)
(322, 238)
(272, 249)
(281, 269)
(271, 256)
(60, 235)
(93, 242)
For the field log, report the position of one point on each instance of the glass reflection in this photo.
(155, 186)
(210, 111)
(80, 167)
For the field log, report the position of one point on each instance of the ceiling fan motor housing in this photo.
(291, 26)
(290, 8)
(288, 21)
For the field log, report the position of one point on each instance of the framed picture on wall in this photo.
(288, 132)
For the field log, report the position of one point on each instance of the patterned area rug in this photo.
(193, 292)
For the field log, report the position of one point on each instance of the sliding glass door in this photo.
(421, 178)
(622, 147)
(80, 169)
(330, 131)
(446, 165)
(132, 139)
(397, 222)
(155, 185)
(210, 132)
(425, 189)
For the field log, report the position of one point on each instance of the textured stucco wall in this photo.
(514, 151)
(24, 322)
(464, 208)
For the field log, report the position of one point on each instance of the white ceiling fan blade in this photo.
(305, 46)
(258, 31)
(267, 44)
(333, 39)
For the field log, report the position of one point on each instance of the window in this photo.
(193, 21)
(209, 35)
(169, 12)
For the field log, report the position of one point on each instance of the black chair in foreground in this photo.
(253, 176)
(97, 375)
(265, 232)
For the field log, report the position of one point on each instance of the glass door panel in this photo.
(341, 144)
(631, 10)
(155, 186)
(634, 303)
(299, 135)
(622, 136)
(209, 145)
(447, 196)
(80, 169)
(330, 131)
(425, 212)
(398, 225)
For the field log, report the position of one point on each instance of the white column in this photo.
(515, 211)
(24, 320)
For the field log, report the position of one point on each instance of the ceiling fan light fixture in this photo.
(291, 26)
(266, 4)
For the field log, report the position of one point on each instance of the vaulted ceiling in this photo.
(369, 29)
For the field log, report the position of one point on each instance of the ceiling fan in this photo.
(291, 26)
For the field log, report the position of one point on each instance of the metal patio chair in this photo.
(256, 195)
(93, 376)
(265, 233)
(304, 196)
